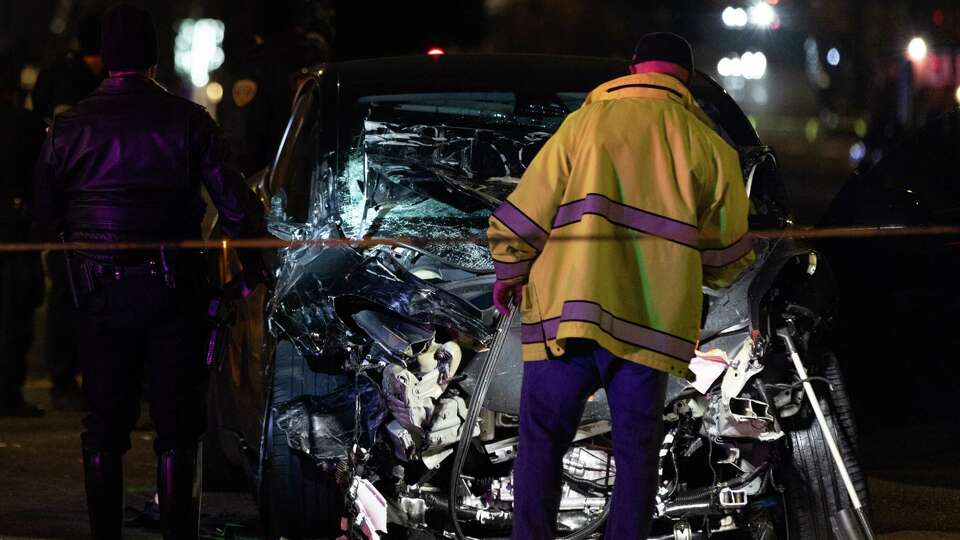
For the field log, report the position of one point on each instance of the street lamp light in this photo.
(917, 49)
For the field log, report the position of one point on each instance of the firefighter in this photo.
(21, 275)
(628, 209)
(127, 164)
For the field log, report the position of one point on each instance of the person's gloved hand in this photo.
(504, 293)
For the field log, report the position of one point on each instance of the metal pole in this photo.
(827, 433)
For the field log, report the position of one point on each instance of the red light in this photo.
(938, 17)
(436, 51)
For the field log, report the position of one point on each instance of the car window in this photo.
(433, 165)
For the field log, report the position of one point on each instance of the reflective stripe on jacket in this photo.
(631, 205)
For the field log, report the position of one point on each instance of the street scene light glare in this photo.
(762, 15)
(734, 17)
(750, 65)
(957, 94)
(917, 49)
(833, 57)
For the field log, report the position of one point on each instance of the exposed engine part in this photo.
(445, 358)
(370, 508)
(433, 459)
(404, 447)
(590, 467)
(410, 400)
(730, 498)
(742, 369)
(682, 531)
(414, 512)
(488, 427)
(448, 423)
(506, 449)
(703, 501)
(323, 427)
(740, 418)
(404, 339)
(507, 420)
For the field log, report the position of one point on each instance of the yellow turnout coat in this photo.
(631, 205)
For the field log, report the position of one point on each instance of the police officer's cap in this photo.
(129, 39)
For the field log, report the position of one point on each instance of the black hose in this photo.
(705, 495)
(473, 412)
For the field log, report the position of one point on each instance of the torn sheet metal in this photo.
(384, 281)
(323, 427)
(321, 289)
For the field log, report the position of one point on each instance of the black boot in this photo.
(178, 487)
(103, 477)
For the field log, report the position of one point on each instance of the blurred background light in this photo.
(214, 92)
(857, 152)
(833, 56)
(860, 127)
(198, 49)
(734, 17)
(28, 77)
(749, 65)
(917, 49)
(811, 129)
(762, 15)
(957, 95)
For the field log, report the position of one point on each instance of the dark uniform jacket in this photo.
(62, 85)
(127, 164)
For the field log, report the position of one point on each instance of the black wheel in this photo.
(297, 500)
(815, 491)
(219, 471)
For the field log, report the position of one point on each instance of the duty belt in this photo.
(119, 272)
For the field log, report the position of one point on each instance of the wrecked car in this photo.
(374, 392)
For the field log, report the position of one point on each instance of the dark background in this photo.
(812, 112)
(823, 120)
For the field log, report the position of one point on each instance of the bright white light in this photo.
(833, 57)
(762, 15)
(734, 17)
(858, 151)
(754, 65)
(957, 95)
(750, 65)
(723, 67)
(917, 49)
(198, 49)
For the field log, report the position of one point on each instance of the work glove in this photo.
(504, 293)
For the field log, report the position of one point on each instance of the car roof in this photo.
(522, 73)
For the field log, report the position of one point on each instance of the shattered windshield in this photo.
(435, 166)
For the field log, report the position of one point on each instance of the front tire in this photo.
(298, 501)
(815, 491)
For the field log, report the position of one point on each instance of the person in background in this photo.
(126, 164)
(21, 275)
(59, 87)
(631, 206)
(259, 87)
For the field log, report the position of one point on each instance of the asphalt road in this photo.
(913, 470)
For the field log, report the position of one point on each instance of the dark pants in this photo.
(138, 325)
(552, 401)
